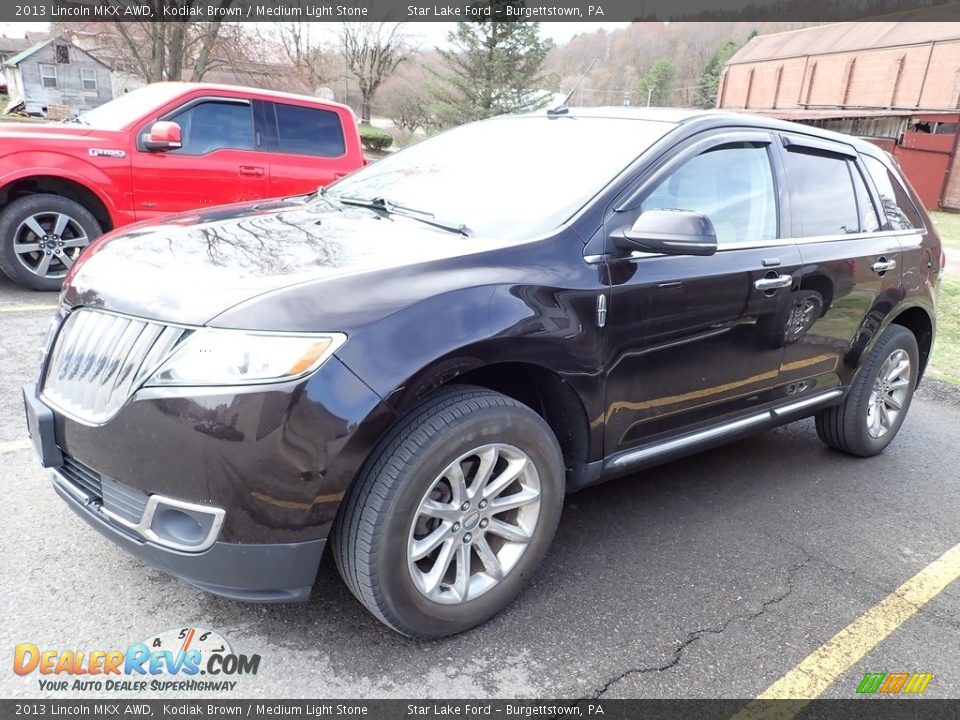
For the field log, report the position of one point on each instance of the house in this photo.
(56, 75)
(895, 83)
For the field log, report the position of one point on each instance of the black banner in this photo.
(466, 10)
(860, 709)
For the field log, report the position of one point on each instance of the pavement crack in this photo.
(695, 635)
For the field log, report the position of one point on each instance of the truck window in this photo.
(213, 125)
(309, 131)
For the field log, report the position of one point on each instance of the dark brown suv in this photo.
(419, 362)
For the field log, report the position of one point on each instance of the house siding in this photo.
(69, 90)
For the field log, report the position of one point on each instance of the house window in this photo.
(88, 77)
(63, 54)
(48, 75)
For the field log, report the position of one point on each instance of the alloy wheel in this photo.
(890, 392)
(474, 523)
(48, 243)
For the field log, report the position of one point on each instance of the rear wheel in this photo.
(42, 236)
(875, 408)
(452, 514)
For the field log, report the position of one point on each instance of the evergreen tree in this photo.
(493, 68)
(657, 84)
(710, 79)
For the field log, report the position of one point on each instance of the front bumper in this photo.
(270, 464)
(282, 572)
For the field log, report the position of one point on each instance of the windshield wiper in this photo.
(392, 208)
(76, 119)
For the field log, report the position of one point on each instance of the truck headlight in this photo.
(238, 357)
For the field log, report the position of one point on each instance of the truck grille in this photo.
(99, 359)
(122, 500)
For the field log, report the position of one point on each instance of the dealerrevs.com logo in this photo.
(181, 659)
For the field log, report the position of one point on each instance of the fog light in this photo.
(178, 526)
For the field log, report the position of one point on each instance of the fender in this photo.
(871, 330)
(32, 163)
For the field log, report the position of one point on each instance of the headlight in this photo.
(237, 357)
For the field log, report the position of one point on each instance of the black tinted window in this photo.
(731, 185)
(309, 131)
(821, 194)
(897, 206)
(212, 125)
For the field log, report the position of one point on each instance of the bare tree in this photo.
(174, 50)
(315, 62)
(372, 52)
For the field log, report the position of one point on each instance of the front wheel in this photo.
(452, 514)
(42, 235)
(876, 406)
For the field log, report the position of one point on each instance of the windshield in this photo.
(118, 113)
(511, 177)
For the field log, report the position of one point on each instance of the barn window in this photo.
(48, 75)
(88, 77)
(63, 54)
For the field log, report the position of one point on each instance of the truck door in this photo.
(219, 161)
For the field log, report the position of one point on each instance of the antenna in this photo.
(562, 108)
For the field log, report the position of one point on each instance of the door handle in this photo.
(774, 282)
(882, 265)
(252, 171)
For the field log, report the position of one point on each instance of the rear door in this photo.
(309, 148)
(219, 162)
(851, 276)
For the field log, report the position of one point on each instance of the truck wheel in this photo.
(452, 514)
(42, 235)
(874, 409)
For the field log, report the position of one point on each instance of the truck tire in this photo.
(878, 401)
(42, 235)
(452, 513)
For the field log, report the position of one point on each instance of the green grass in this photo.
(948, 225)
(945, 362)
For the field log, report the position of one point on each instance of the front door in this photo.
(218, 163)
(695, 339)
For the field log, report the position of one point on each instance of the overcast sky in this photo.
(429, 33)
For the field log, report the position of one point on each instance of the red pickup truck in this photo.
(164, 148)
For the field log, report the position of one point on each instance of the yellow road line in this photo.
(819, 670)
(27, 308)
(14, 445)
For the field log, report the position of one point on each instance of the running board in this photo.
(643, 457)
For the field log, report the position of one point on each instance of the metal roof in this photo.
(844, 37)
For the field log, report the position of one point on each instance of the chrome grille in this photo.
(99, 359)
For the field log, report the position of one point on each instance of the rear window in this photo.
(822, 198)
(901, 213)
(309, 131)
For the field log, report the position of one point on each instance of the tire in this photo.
(38, 270)
(381, 517)
(852, 425)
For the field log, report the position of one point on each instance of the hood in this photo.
(190, 268)
(48, 131)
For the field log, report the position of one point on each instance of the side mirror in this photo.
(164, 135)
(671, 232)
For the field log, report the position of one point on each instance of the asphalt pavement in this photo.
(712, 576)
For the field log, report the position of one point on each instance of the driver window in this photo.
(730, 184)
